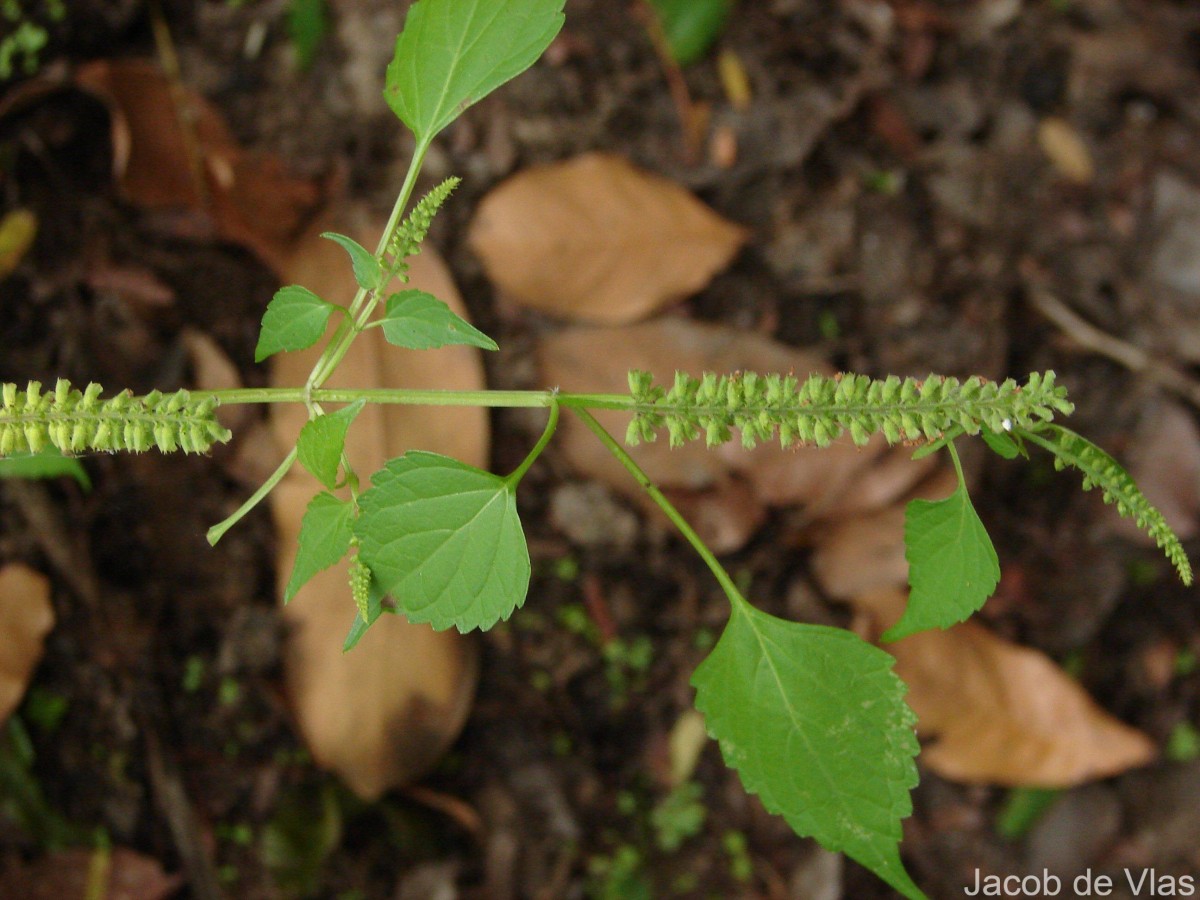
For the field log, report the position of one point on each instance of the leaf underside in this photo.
(815, 723)
(444, 539)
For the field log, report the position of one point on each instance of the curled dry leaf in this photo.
(382, 714)
(999, 713)
(839, 480)
(26, 617)
(598, 240)
(161, 164)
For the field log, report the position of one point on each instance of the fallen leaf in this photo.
(998, 713)
(598, 240)
(213, 370)
(1065, 148)
(116, 874)
(26, 617)
(1164, 459)
(835, 481)
(865, 553)
(250, 198)
(382, 714)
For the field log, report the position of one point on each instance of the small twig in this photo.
(1132, 357)
(172, 800)
(676, 83)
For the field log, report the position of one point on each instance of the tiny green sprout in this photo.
(813, 718)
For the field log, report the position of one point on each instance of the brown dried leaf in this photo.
(598, 240)
(999, 713)
(26, 617)
(865, 553)
(1065, 148)
(1164, 459)
(117, 874)
(250, 198)
(835, 481)
(382, 714)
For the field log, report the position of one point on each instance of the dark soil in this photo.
(903, 217)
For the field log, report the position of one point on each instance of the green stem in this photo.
(364, 302)
(218, 531)
(413, 397)
(551, 424)
(962, 481)
(623, 457)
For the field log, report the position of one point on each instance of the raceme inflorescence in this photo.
(813, 718)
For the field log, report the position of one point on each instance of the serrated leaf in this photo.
(814, 721)
(325, 534)
(952, 565)
(420, 321)
(50, 463)
(453, 53)
(691, 26)
(367, 271)
(295, 319)
(319, 447)
(360, 625)
(444, 539)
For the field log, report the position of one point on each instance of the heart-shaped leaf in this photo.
(295, 319)
(420, 321)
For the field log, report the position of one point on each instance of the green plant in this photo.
(26, 36)
(812, 717)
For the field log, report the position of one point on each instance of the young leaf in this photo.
(691, 26)
(445, 540)
(453, 53)
(319, 447)
(367, 271)
(814, 720)
(1001, 442)
(295, 319)
(324, 539)
(420, 321)
(952, 565)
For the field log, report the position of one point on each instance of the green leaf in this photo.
(360, 625)
(420, 321)
(1001, 442)
(50, 463)
(367, 270)
(952, 565)
(453, 53)
(319, 447)
(444, 539)
(307, 25)
(691, 26)
(324, 539)
(815, 722)
(295, 319)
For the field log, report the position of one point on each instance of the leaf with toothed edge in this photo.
(814, 721)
